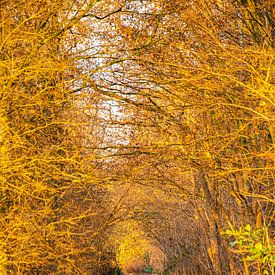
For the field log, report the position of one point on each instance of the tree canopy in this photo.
(137, 135)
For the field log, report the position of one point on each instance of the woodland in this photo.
(137, 136)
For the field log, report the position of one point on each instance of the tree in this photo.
(54, 215)
(169, 98)
(204, 101)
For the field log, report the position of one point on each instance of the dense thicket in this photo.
(53, 206)
(131, 128)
